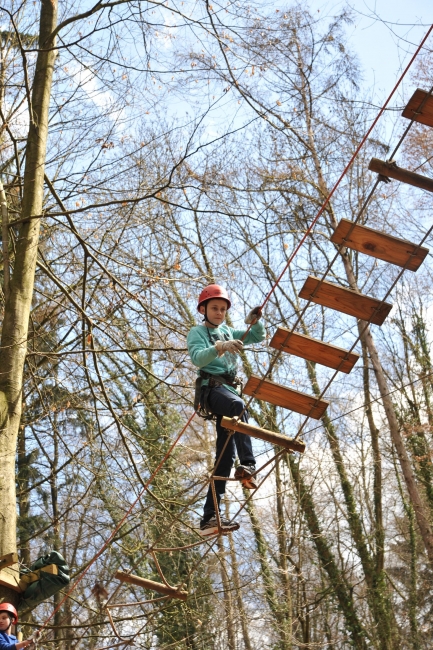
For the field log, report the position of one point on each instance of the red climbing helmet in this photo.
(7, 607)
(213, 291)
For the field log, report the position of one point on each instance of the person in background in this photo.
(9, 617)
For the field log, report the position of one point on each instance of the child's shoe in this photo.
(245, 474)
(210, 527)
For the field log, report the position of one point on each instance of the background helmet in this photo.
(213, 291)
(7, 607)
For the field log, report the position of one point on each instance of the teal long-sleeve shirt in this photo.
(201, 347)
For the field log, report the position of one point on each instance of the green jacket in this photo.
(201, 347)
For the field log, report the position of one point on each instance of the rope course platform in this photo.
(351, 302)
(315, 290)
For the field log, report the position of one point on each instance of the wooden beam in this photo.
(10, 581)
(420, 108)
(390, 170)
(378, 244)
(345, 300)
(263, 434)
(27, 579)
(150, 584)
(8, 560)
(313, 350)
(285, 397)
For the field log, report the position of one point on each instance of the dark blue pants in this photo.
(223, 402)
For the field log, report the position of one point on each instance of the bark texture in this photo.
(17, 309)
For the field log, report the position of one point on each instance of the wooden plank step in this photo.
(420, 108)
(313, 350)
(285, 397)
(390, 170)
(378, 244)
(8, 560)
(263, 434)
(150, 584)
(345, 300)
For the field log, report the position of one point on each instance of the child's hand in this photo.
(234, 346)
(253, 316)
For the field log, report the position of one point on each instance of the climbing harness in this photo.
(201, 397)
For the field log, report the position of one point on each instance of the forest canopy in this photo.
(149, 149)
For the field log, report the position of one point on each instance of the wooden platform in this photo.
(413, 111)
(391, 170)
(8, 560)
(313, 350)
(150, 584)
(263, 434)
(10, 581)
(285, 397)
(345, 300)
(378, 244)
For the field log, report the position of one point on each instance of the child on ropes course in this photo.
(213, 347)
(9, 617)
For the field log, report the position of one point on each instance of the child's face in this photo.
(5, 622)
(216, 311)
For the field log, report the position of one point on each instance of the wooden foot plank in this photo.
(285, 397)
(378, 244)
(8, 560)
(345, 300)
(263, 434)
(27, 579)
(150, 584)
(423, 115)
(390, 170)
(313, 350)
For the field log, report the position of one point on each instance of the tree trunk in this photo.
(17, 309)
(286, 609)
(58, 616)
(412, 600)
(340, 587)
(266, 572)
(406, 467)
(377, 468)
(377, 596)
(24, 497)
(228, 604)
(237, 585)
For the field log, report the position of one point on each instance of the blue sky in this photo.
(385, 34)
